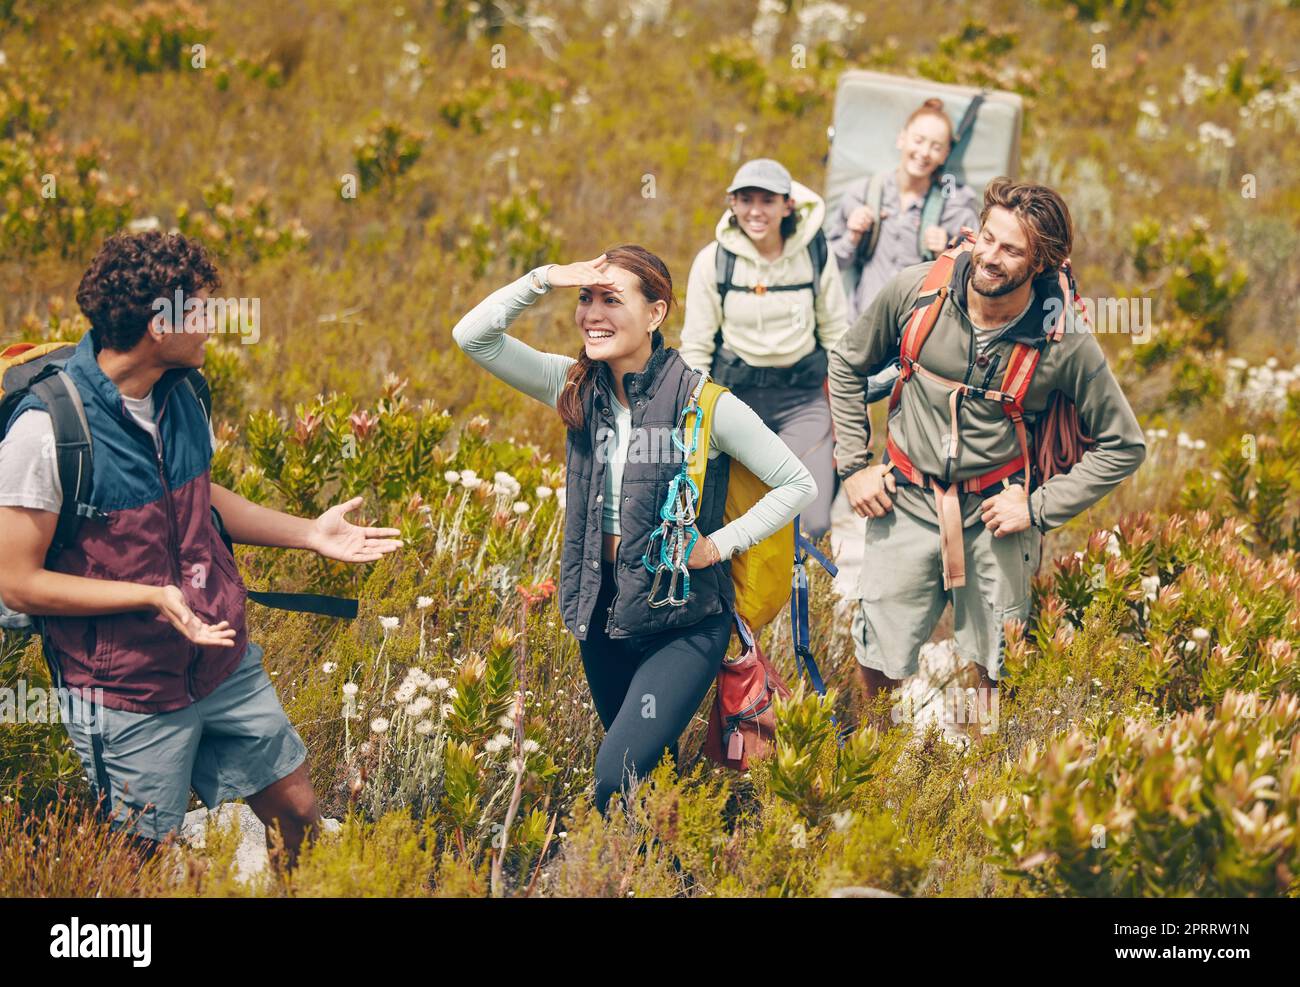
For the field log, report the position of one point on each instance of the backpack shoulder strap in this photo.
(925, 313)
(874, 197)
(817, 252)
(73, 452)
(931, 210)
(198, 386)
(724, 264)
(707, 402)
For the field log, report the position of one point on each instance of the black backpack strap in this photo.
(724, 267)
(73, 453)
(198, 386)
(817, 252)
(342, 607)
(967, 122)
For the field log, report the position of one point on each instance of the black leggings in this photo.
(646, 688)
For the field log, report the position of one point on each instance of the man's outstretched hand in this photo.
(171, 606)
(333, 536)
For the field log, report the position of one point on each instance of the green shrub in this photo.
(151, 36)
(1199, 805)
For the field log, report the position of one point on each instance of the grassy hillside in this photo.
(1147, 742)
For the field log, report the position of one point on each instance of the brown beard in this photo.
(1002, 289)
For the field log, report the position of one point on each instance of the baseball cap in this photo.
(762, 173)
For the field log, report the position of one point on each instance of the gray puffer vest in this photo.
(656, 397)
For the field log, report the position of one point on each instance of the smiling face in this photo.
(760, 212)
(1001, 260)
(924, 143)
(617, 324)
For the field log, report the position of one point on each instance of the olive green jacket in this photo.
(1074, 365)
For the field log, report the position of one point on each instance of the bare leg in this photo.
(291, 802)
(874, 685)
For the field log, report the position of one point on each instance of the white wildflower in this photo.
(350, 689)
(438, 684)
(389, 623)
(1200, 635)
(521, 507)
(530, 746)
(423, 602)
(329, 667)
(1150, 586)
(505, 485)
(543, 492)
(378, 725)
(424, 727)
(452, 477)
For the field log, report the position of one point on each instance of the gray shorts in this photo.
(902, 594)
(228, 745)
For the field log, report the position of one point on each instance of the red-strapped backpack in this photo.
(1057, 440)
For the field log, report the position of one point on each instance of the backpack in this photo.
(733, 372)
(724, 261)
(37, 368)
(1057, 438)
(741, 720)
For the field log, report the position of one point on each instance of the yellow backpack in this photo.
(761, 574)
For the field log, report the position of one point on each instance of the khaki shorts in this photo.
(902, 594)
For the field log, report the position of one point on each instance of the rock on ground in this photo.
(251, 858)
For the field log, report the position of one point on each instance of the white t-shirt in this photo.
(29, 470)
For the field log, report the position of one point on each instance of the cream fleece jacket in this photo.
(776, 329)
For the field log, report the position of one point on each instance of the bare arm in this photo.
(330, 535)
(26, 585)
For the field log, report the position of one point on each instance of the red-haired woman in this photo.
(649, 667)
(877, 226)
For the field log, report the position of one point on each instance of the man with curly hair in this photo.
(142, 613)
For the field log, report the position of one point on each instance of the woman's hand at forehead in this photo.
(583, 274)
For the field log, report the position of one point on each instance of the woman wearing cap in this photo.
(649, 667)
(763, 305)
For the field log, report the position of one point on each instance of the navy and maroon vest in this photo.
(158, 530)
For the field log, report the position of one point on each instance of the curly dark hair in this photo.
(130, 272)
